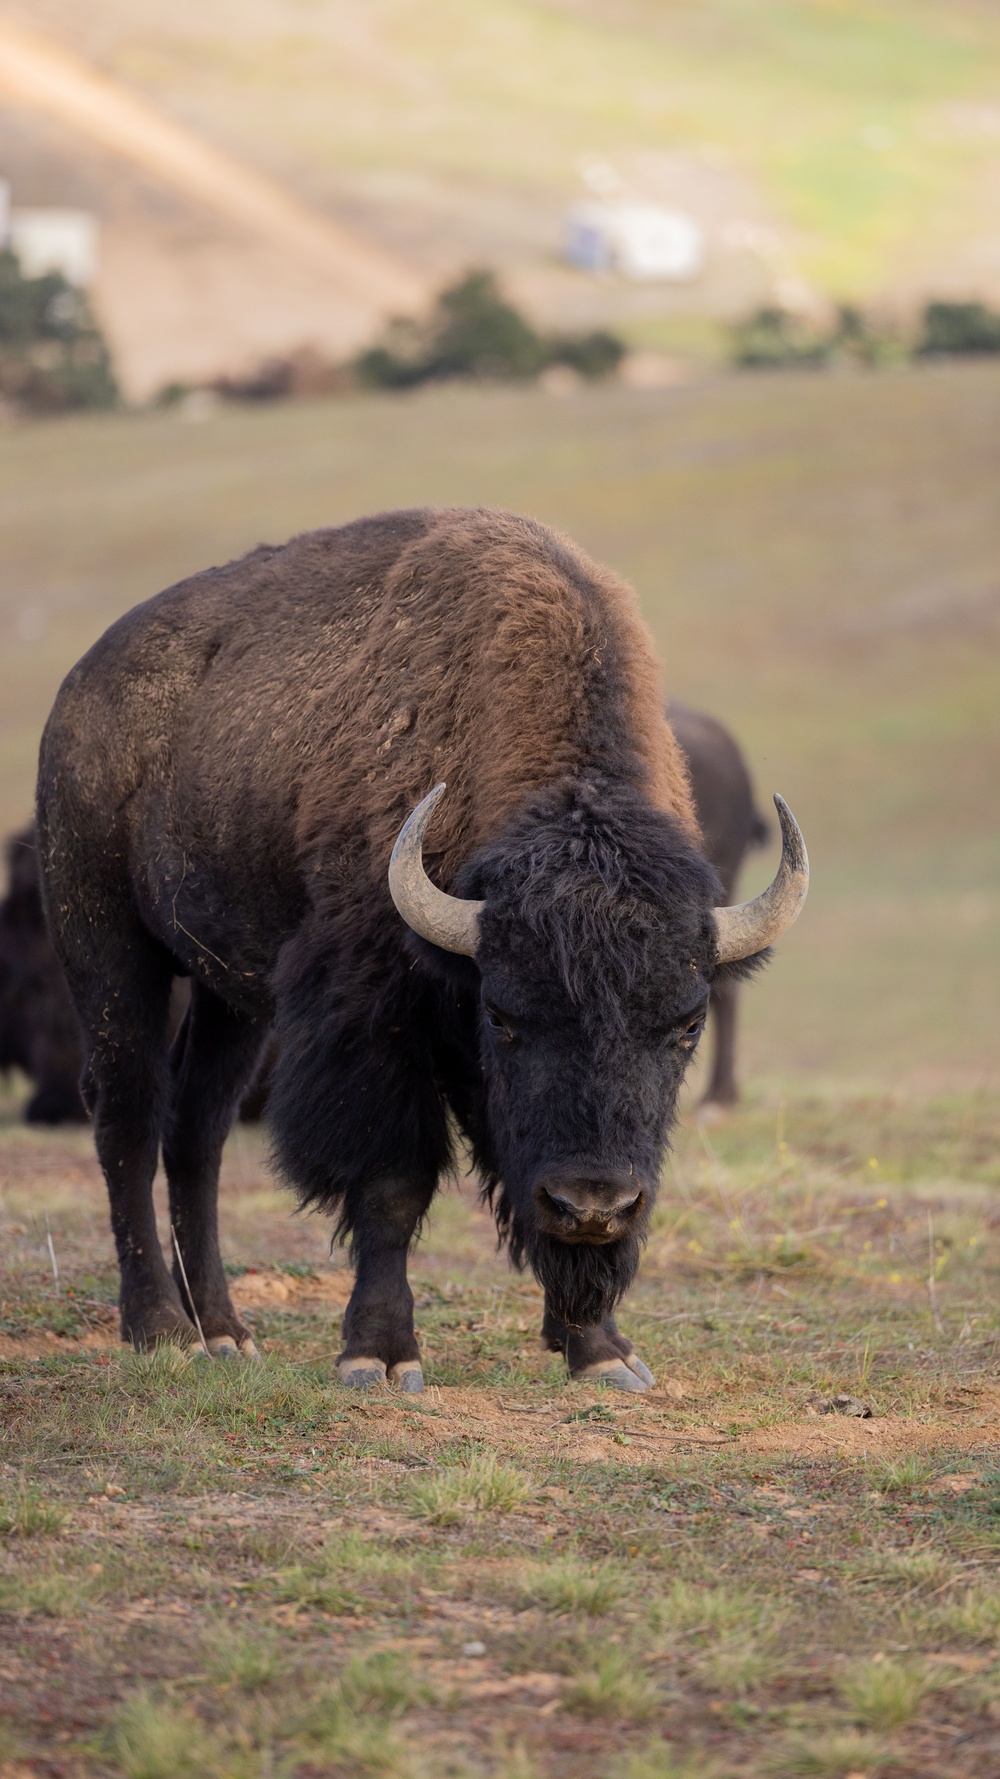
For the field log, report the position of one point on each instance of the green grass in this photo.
(485, 1484)
(840, 618)
(24, 1514)
(883, 1695)
(251, 1571)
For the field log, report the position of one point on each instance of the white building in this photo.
(52, 241)
(641, 241)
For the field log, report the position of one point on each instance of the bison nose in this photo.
(587, 1209)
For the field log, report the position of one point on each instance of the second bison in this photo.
(223, 780)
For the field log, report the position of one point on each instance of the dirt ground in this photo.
(240, 1570)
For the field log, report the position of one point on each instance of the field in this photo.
(859, 135)
(244, 1571)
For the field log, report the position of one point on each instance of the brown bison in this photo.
(234, 785)
(730, 825)
(39, 1031)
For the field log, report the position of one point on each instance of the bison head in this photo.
(592, 925)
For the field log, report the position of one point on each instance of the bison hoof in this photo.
(635, 1364)
(361, 1374)
(223, 1346)
(408, 1377)
(618, 1374)
(248, 1348)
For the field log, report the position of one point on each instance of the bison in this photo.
(38, 1029)
(235, 784)
(730, 825)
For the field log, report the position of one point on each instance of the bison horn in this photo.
(750, 926)
(448, 921)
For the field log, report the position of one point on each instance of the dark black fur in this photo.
(220, 783)
(39, 1033)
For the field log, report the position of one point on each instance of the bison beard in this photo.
(583, 1284)
(221, 784)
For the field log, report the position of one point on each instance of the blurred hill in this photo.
(847, 150)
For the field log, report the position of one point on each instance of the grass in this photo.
(836, 1755)
(883, 1695)
(485, 1484)
(24, 1514)
(614, 1687)
(572, 1585)
(677, 1582)
(847, 635)
(250, 1570)
(902, 1475)
(159, 1741)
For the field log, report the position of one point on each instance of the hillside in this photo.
(846, 150)
(857, 145)
(817, 556)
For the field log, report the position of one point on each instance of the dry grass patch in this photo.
(615, 1686)
(25, 1514)
(572, 1584)
(884, 1695)
(485, 1484)
(835, 1754)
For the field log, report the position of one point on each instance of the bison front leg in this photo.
(379, 1340)
(598, 1354)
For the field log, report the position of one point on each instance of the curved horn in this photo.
(750, 926)
(448, 921)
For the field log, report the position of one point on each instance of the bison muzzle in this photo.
(234, 787)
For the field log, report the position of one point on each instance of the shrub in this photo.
(53, 356)
(959, 328)
(771, 339)
(473, 331)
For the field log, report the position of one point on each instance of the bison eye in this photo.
(497, 1023)
(686, 1032)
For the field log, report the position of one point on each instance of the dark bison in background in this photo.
(38, 1028)
(730, 825)
(223, 779)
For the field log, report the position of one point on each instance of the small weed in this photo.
(836, 1755)
(884, 1695)
(331, 1579)
(249, 1662)
(383, 1683)
(453, 1491)
(919, 1571)
(311, 1584)
(570, 1585)
(898, 1476)
(659, 1761)
(148, 1374)
(512, 1760)
(614, 1687)
(156, 1741)
(738, 1662)
(51, 1594)
(976, 1616)
(25, 1515)
(360, 1747)
(707, 1612)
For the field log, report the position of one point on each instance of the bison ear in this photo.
(447, 921)
(751, 927)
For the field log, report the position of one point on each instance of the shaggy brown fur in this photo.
(221, 782)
